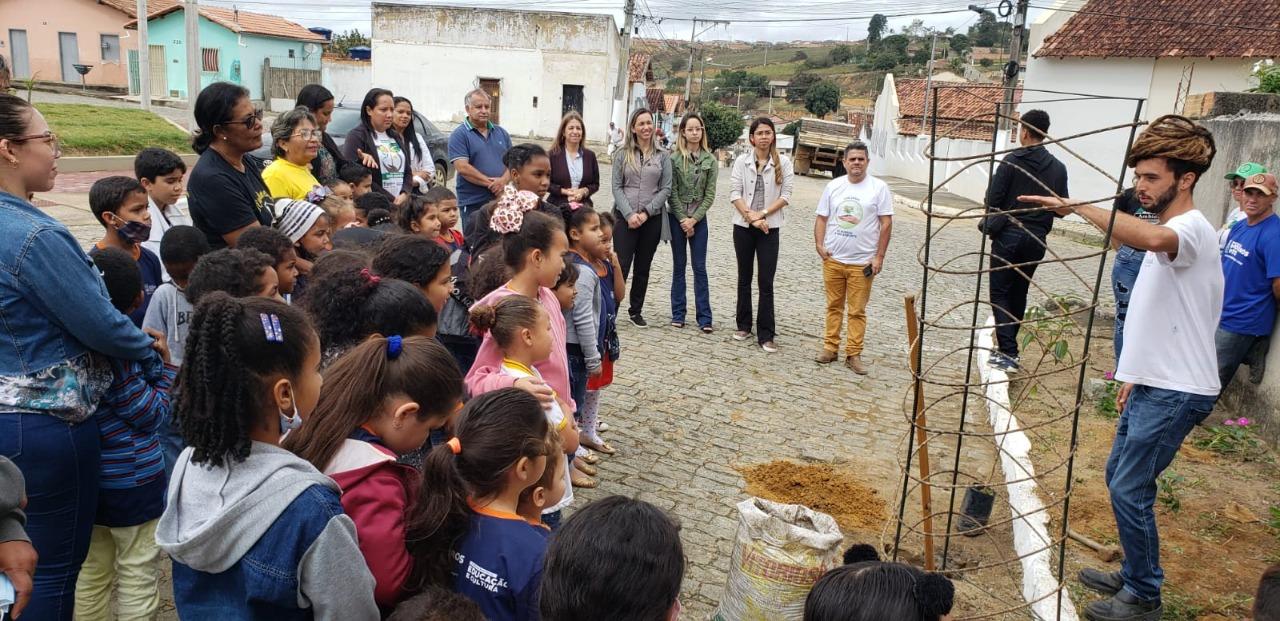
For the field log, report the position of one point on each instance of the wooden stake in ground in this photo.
(926, 495)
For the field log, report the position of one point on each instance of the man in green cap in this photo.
(1237, 179)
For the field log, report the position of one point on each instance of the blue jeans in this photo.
(701, 291)
(577, 377)
(62, 465)
(1150, 431)
(1124, 272)
(1234, 350)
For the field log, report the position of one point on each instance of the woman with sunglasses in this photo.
(375, 136)
(225, 190)
(57, 316)
(295, 143)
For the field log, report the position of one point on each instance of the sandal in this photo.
(677, 324)
(585, 468)
(708, 329)
(590, 458)
(602, 447)
(583, 481)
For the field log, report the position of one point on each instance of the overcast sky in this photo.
(840, 19)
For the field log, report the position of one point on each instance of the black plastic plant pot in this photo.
(975, 511)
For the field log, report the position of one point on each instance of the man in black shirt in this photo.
(1018, 239)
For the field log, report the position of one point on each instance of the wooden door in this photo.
(159, 71)
(494, 88)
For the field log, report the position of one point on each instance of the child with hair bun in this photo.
(380, 400)
(521, 328)
(254, 531)
(865, 589)
(349, 303)
(465, 532)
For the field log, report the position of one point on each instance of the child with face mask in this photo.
(120, 206)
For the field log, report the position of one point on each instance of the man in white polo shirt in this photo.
(855, 219)
(1168, 363)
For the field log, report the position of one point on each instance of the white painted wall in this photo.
(1155, 80)
(435, 55)
(348, 80)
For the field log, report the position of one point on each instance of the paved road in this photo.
(687, 408)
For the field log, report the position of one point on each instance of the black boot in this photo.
(1102, 582)
(1124, 607)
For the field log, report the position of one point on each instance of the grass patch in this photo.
(99, 130)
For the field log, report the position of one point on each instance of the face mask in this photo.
(290, 422)
(134, 231)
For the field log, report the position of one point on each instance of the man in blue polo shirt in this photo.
(1251, 270)
(476, 148)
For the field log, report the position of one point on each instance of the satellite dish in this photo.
(310, 48)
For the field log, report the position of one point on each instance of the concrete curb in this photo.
(96, 163)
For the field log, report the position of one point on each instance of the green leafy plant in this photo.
(724, 124)
(1168, 492)
(1267, 73)
(1051, 332)
(30, 84)
(823, 98)
(1234, 437)
(1106, 403)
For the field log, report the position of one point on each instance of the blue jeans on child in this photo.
(577, 376)
(1124, 272)
(1150, 431)
(62, 464)
(697, 244)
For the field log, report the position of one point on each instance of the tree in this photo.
(799, 86)
(724, 124)
(841, 54)
(897, 43)
(989, 31)
(679, 63)
(876, 29)
(792, 128)
(675, 84)
(986, 63)
(748, 101)
(959, 43)
(822, 99)
(342, 43)
(887, 61)
(799, 56)
(732, 80)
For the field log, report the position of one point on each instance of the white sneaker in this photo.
(769, 347)
(741, 336)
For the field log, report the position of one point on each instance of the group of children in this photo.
(311, 416)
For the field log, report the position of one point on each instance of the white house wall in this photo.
(435, 55)
(348, 80)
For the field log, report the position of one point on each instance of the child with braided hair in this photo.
(254, 531)
(1169, 360)
(380, 400)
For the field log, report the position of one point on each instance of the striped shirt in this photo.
(128, 419)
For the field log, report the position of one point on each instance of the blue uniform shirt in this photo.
(1250, 260)
(500, 565)
(484, 153)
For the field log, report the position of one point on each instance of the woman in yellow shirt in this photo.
(295, 142)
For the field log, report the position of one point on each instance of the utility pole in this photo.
(693, 35)
(928, 85)
(191, 13)
(144, 58)
(702, 73)
(1014, 66)
(738, 105)
(623, 91)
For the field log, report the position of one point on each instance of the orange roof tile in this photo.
(244, 22)
(1193, 28)
(964, 110)
(638, 68)
(130, 7)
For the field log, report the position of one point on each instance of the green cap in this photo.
(1246, 170)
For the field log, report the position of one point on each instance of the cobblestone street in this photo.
(687, 409)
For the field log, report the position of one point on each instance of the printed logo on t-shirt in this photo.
(484, 578)
(850, 215)
(1236, 252)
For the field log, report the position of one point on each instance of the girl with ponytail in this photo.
(380, 400)
(349, 302)
(245, 516)
(464, 532)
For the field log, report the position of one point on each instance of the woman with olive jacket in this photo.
(641, 185)
(693, 190)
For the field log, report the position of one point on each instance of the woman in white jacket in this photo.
(760, 187)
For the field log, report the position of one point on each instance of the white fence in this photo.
(901, 156)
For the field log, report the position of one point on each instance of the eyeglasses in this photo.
(48, 137)
(308, 134)
(247, 121)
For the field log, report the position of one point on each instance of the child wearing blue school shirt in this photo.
(466, 532)
(131, 492)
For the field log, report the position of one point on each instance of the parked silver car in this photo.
(345, 119)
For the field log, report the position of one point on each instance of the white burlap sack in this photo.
(781, 550)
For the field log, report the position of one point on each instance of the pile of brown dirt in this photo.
(821, 488)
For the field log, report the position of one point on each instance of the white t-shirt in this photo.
(853, 224)
(393, 163)
(1173, 313)
(162, 221)
(558, 420)
(1235, 216)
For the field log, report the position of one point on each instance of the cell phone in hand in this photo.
(868, 272)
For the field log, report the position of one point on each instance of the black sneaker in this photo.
(638, 321)
(1008, 364)
(1101, 581)
(1123, 606)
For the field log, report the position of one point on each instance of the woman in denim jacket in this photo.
(693, 189)
(58, 328)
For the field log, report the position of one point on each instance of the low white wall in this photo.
(900, 156)
(349, 80)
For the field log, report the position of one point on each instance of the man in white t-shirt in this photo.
(1168, 363)
(855, 219)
